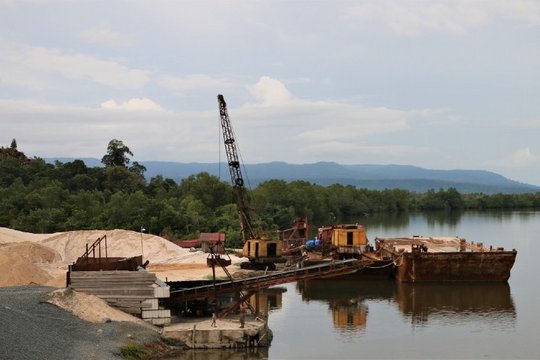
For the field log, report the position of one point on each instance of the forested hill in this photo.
(375, 177)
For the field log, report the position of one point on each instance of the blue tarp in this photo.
(314, 242)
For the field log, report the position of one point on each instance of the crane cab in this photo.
(262, 253)
(347, 240)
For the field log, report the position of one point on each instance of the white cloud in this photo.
(279, 126)
(447, 16)
(47, 130)
(310, 120)
(35, 67)
(135, 104)
(270, 91)
(182, 85)
(104, 35)
(523, 11)
(519, 159)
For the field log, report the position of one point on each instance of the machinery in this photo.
(262, 251)
(344, 241)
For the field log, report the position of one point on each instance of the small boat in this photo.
(424, 259)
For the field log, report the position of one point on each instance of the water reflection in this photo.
(266, 300)
(222, 354)
(403, 222)
(346, 299)
(399, 220)
(345, 289)
(442, 218)
(457, 303)
(488, 303)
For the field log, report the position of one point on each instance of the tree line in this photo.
(40, 197)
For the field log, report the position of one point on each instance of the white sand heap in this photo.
(44, 258)
(88, 307)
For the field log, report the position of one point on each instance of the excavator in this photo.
(262, 251)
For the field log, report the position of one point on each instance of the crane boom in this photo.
(239, 190)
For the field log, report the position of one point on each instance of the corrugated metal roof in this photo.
(211, 237)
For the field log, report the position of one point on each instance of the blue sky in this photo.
(437, 84)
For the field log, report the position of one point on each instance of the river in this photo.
(354, 319)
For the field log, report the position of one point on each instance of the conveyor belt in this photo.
(319, 271)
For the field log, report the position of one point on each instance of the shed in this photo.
(215, 240)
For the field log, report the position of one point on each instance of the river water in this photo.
(355, 319)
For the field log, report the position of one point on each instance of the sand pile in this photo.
(44, 258)
(20, 263)
(88, 307)
(10, 235)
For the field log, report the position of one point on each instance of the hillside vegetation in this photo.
(373, 177)
(40, 197)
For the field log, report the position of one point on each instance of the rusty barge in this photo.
(407, 259)
(436, 259)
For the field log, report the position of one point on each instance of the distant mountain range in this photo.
(376, 177)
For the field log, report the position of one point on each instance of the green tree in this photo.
(396, 199)
(207, 188)
(346, 203)
(160, 187)
(227, 222)
(13, 202)
(11, 170)
(137, 169)
(117, 154)
(121, 179)
(126, 211)
(84, 209)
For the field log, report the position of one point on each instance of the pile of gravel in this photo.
(32, 328)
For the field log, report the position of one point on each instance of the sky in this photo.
(435, 84)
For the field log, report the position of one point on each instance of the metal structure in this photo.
(436, 259)
(239, 190)
(261, 251)
(96, 258)
(297, 235)
(320, 271)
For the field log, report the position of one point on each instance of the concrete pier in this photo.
(200, 334)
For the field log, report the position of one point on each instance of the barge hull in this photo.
(455, 266)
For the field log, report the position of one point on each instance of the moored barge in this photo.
(434, 259)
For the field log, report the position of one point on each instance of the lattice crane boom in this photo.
(237, 181)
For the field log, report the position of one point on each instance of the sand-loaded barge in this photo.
(424, 259)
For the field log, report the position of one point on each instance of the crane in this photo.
(261, 251)
(239, 190)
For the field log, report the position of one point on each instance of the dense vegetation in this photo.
(39, 197)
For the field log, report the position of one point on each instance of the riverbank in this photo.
(44, 320)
